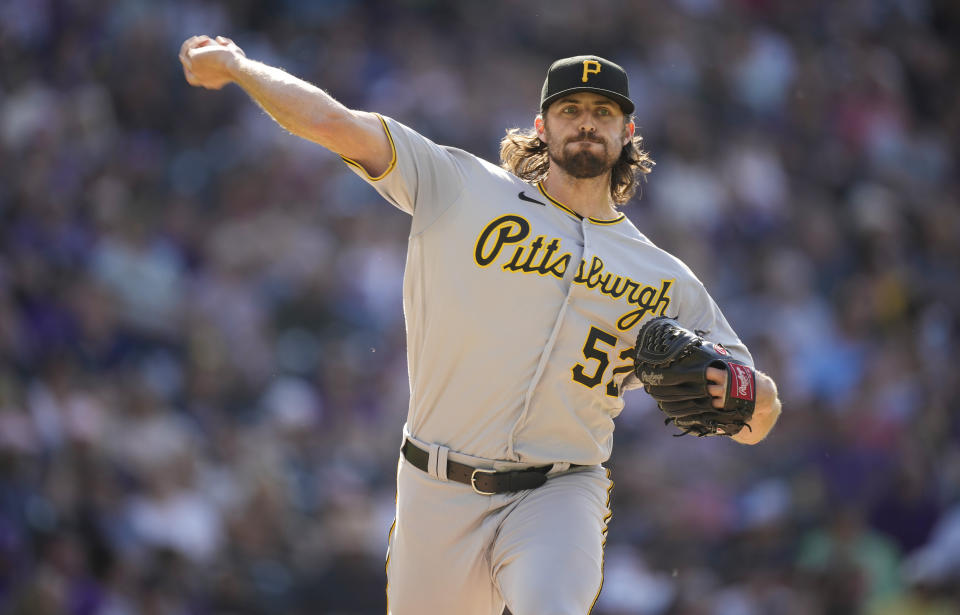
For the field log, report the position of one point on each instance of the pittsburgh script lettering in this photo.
(507, 235)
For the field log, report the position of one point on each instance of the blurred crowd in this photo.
(202, 361)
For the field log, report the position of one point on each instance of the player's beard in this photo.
(582, 163)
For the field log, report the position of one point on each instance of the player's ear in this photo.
(629, 130)
(539, 125)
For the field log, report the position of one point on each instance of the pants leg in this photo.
(548, 555)
(438, 559)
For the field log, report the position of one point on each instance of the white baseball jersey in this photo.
(521, 314)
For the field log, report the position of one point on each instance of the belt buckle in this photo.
(473, 481)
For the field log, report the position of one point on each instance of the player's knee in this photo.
(548, 605)
(553, 600)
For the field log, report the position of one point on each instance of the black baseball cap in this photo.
(586, 74)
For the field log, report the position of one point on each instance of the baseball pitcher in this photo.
(532, 303)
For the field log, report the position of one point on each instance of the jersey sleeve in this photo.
(423, 178)
(700, 313)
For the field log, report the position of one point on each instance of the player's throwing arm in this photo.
(300, 107)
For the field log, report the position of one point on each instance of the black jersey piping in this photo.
(393, 160)
(557, 203)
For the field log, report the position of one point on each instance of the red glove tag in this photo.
(741, 382)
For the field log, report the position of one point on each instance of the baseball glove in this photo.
(672, 363)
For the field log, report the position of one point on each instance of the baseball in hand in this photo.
(207, 62)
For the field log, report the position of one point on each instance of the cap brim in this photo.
(625, 103)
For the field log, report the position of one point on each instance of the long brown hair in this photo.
(525, 155)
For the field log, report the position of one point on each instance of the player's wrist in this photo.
(768, 401)
(234, 66)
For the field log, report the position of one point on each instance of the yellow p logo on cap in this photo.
(590, 67)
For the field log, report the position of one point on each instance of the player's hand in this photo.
(718, 388)
(208, 62)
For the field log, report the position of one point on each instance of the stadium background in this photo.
(202, 371)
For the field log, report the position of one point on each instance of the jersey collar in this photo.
(557, 203)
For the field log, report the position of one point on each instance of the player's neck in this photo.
(588, 197)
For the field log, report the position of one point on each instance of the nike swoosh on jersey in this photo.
(524, 197)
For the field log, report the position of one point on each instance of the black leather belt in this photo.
(484, 482)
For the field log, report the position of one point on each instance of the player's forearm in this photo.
(309, 112)
(765, 413)
(300, 107)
